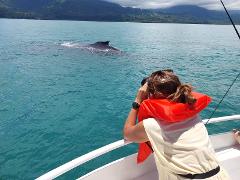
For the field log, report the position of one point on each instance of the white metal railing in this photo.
(105, 149)
(222, 119)
(83, 159)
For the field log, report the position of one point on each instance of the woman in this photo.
(170, 127)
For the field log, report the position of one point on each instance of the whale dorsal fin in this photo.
(103, 42)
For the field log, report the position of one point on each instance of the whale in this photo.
(103, 46)
(97, 47)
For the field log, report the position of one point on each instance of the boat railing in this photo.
(105, 149)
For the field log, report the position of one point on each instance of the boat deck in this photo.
(229, 158)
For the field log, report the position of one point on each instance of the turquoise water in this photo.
(58, 102)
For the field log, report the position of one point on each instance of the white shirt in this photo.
(181, 148)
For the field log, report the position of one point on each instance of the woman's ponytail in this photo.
(183, 94)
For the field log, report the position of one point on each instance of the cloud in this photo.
(209, 4)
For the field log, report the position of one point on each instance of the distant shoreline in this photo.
(143, 22)
(104, 11)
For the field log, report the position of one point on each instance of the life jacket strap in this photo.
(149, 145)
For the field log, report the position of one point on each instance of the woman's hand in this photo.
(142, 94)
(132, 131)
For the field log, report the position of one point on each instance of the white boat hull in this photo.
(226, 147)
(228, 154)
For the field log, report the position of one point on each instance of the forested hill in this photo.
(99, 10)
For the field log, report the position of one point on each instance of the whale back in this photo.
(102, 45)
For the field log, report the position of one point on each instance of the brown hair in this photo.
(165, 84)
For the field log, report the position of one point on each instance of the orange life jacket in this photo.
(164, 110)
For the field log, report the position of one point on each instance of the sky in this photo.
(209, 4)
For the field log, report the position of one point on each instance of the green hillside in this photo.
(99, 10)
